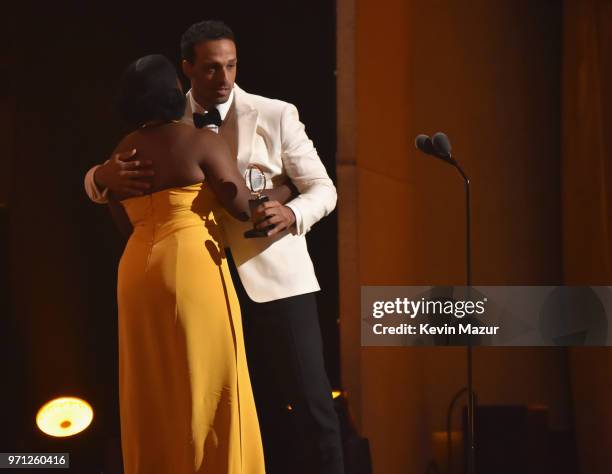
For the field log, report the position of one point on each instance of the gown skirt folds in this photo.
(185, 398)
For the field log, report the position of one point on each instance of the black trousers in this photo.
(298, 423)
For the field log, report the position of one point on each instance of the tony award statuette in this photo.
(256, 182)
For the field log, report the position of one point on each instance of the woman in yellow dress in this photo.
(185, 397)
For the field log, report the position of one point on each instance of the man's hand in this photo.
(121, 173)
(274, 213)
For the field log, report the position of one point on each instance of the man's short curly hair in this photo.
(149, 90)
(203, 31)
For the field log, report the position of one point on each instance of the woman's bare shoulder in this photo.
(127, 143)
(210, 142)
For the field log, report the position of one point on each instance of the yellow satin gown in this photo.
(185, 398)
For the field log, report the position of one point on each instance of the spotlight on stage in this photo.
(64, 416)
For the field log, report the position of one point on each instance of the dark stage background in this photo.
(60, 67)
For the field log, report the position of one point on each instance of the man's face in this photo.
(213, 71)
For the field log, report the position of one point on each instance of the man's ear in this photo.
(187, 68)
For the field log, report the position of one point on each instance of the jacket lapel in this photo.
(229, 130)
(246, 123)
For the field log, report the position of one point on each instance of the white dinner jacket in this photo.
(268, 132)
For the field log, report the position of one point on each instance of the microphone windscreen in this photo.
(423, 143)
(441, 144)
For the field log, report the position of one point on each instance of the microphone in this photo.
(423, 143)
(439, 146)
(442, 145)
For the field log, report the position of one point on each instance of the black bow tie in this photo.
(210, 118)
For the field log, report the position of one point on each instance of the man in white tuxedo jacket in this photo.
(274, 276)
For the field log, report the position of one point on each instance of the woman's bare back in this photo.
(182, 155)
(175, 150)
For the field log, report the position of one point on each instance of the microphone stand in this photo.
(442, 150)
(468, 252)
